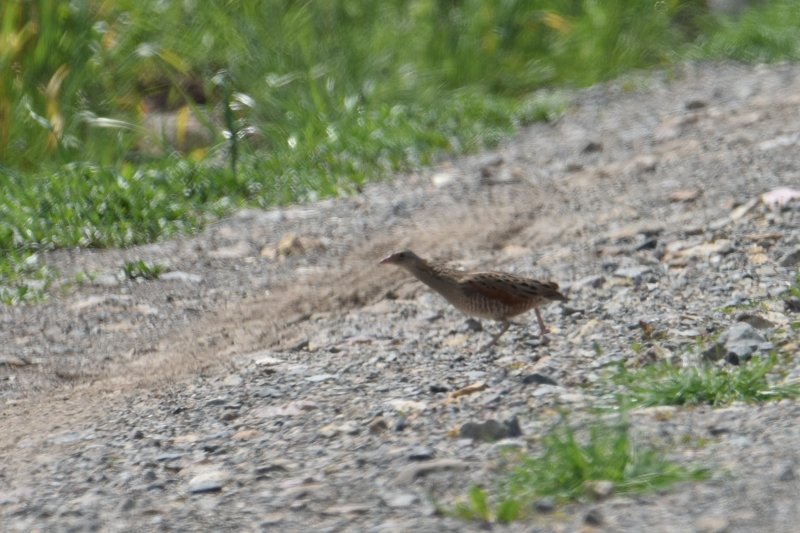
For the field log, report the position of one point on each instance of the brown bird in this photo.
(493, 295)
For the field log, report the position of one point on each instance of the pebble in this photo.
(421, 453)
(414, 470)
(491, 430)
(593, 517)
(177, 275)
(400, 500)
(378, 426)
(790, 259)
(712, 524)
(319, 378)
(600, 490)
(633, 273)
(206, 482)
(544, 505)
(233, 381)
(538, 379)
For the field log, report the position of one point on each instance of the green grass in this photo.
(567, 467)
(766, 34)
(299, 100)
(664, 384)
(142, 270)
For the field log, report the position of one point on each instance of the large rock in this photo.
(737, 343)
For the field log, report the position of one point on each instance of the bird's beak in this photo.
(388, 261)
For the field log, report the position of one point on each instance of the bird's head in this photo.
(406, 259)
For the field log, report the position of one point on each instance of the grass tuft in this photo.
(569, 466)
(142, 270)
(664, 384)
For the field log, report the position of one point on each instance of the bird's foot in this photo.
(544, 340)
(485, 348)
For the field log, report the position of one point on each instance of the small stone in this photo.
(269, 392)
(353, 508)
(215, 402)
(290, 245)
(470, 389)
(685, 195)
(401, 424)
(742, 210)
(168, 456)
(319, 378)
(329, 431)
(715, 352)
(421, 453)
(264, 359)
(474, 325)
(277, 466)
(238, 250)
(792, 304)
(572, 397)
(378, 426)
(127, 504)
(138, 434)
(537, 379)
(567, 310)
(754, 320)
(592, 147)
(110, 280)
(475, 375)
(414, 470)
(246, 434)
(233, 381)
(441, 179)
(13, 361)
(593, 517)
(228, 415)
(790, 259)
(509, 444)
(711, 524)
(633, 273)
(350, 428)
(787, 474)
(600, 490)
(544, 505)
(491, 430)
(271, 519)
(400, 500)
(177, 275)
(590, 281)
(206, 482)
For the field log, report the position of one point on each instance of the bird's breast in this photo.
(484, 307)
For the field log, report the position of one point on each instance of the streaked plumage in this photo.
(493, 295)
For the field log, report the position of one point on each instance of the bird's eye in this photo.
(401, 256)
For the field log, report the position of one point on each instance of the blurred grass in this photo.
(295, 100)
(569, 466)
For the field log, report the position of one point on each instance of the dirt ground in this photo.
(94, 383)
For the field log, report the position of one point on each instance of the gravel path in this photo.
(278, 379)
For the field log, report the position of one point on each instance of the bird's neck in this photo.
(441, 279)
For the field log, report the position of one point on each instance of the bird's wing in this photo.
(510, 290)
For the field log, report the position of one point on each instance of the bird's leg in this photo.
(542, 328)
(506, 325)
